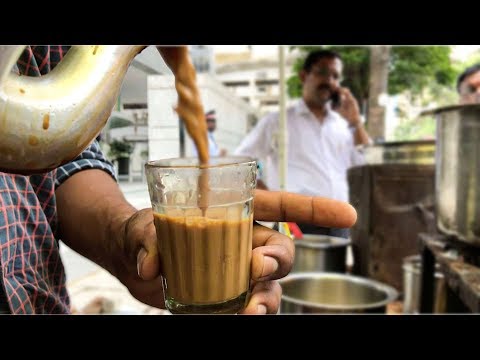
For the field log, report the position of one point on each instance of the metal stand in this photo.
(458, 264)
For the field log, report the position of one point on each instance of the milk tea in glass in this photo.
(203, 217)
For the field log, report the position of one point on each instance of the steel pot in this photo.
(412, 270)
(457, 176)
(420, 152)
(320, 253)
(316, 292)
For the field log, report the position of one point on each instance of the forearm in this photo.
(92, 213)
(360, 135)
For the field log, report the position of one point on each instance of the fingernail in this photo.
(261, 309)
(270, 265)
(142, 254)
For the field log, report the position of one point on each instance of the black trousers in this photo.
(318, 230)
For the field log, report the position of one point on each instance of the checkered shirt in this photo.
(31, 271)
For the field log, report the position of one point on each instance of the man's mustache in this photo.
(326, 87)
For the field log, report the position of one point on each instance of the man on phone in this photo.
(324, 128)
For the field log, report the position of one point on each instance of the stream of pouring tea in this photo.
(190, 110)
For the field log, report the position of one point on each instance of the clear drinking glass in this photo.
(203, 218)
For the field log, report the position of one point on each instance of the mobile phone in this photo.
(335, 97)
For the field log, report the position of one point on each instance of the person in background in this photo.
(213, 149)
(211, 118)
(468, 85)
(324, 128)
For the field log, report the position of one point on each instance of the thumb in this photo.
(148, 262)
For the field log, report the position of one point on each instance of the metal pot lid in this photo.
(321, 241)
(457, 107)
(392, 144)
(391, 294)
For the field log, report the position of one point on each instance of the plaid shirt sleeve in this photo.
(91, 158)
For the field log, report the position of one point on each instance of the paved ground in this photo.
(87, 281)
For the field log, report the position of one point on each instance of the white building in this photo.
(203, 58)
(166, 136)
(252, 73)
(132, 105)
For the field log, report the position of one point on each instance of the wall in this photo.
(163, 124)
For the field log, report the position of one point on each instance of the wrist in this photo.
(356, 123)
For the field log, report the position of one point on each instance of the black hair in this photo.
(468, 71)
(316, 55)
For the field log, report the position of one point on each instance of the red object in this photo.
(295, 230)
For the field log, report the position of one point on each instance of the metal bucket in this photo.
(412, 270)
(312, 292)
(320, 253)
(457, 177)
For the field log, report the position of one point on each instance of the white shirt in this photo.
(212, 145)
(213, 149)
(319, 154)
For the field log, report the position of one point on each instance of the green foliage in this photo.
(120, 149)
(144, 154)
(414, 68)
(414, 127)
(118, 122)
(473, 59)
(417, 129)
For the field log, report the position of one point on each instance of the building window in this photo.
(135, 106)
(268, 102)
(266, 82)
(235, 83)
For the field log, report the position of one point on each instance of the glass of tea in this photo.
(203, 216)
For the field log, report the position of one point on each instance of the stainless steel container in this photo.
(412, 270)
(421, 152)
(457, 177)
(394, 203)
(316, 292)
(320, 253)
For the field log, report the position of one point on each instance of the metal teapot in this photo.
(49, 120)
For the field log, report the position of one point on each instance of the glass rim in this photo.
(224, 161)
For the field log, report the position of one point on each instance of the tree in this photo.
(120, 149)
(417, 67)
(377, 87)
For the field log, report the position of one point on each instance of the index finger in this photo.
(314, 210)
